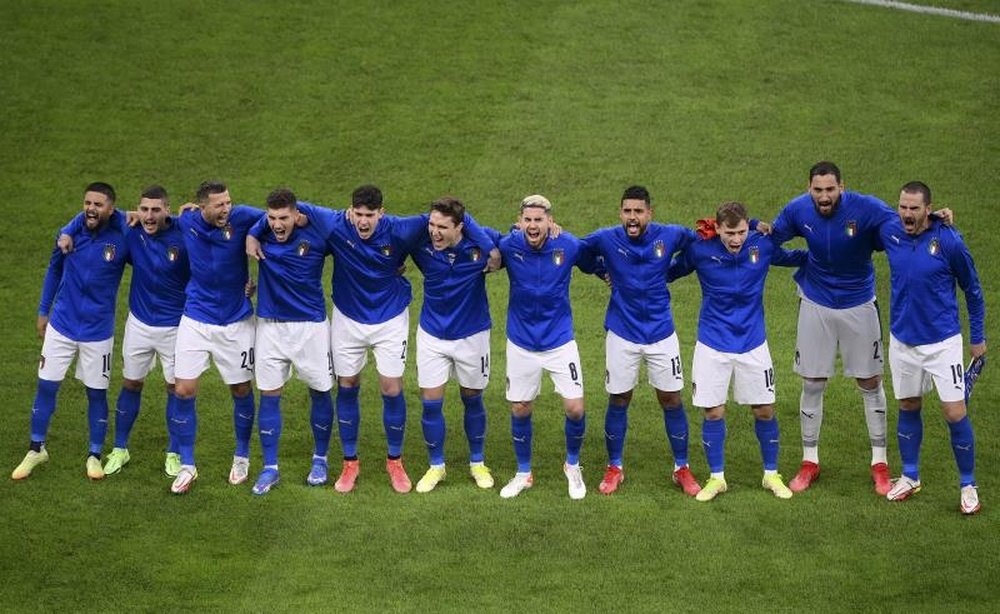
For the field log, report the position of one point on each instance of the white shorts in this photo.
(524, 371)
(918, 368)
(231, 347)
(468, 359)
(711, 371)
(350, 340)
(622, 359)
(283, 345)
(93, 367)
(142, 344)
(855, 330)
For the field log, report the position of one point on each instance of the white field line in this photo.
(930, 10)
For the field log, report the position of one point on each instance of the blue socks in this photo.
(321, 419)
(575, 430)
(126, 410)
(269, 427)
(434, 430)
(676, 424)
(475, 426)
(184, 426)
(615, 427)
(713, 438)
(909, 434)
(172, 446)
(964, 446)
(243, 411)
(43, 408)
(348, 416)
(520, 431)
(768, 438)
(97, 416)
(394, 421)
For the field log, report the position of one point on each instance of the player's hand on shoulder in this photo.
(607, 279)
(494, 261)
(946, 215)
(189, 206)
(301, 220)
(554, 229)
(253, 248)
(41, 325)
(763, 227)
(65, 243)
(132, 218)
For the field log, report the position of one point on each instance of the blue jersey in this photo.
(539, 314)
(840, 273)
(923, 271)
(367, 286)
(160, 270)
(216, 293)
(290, 278)
(732, 288)
(639, 307)
(84, 284)
(455, 304)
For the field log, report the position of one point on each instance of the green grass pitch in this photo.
(702, 101)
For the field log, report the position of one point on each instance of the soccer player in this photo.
(926, 258)
(83, 284)
(837, 309)
(453, 336)
(160, 273)
(640, 327)
(540, 336)
(370, 301)
(292, 331)
(217, 324)
(732, 267)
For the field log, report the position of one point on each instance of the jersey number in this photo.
(876, 355)
(769, 378)
(675, 366)
(484, 365)
(573, 374)
(247, 360)
(106, 364)
(957, 376)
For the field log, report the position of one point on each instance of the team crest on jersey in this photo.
(475, 254)
(852, 228)
(558, 256)
(227, 232)
(658, 249)
(303, 248)
(754, 254)
(386, 250)
(172, 253)
(934, 247)
(109, 252)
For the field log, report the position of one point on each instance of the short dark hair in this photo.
(450, 207)
(156, 192)
(918, 187)
(731, 214)
(210, 187)
(636, 192)
(824, 167)
(102, 188)
(280, 198)
(367, 196)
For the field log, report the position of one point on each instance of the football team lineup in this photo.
(190, 305)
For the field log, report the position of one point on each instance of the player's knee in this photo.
(911, 404)
(668, 398)
(135, 385)
(574, 409)
(715, 413)
(763, 412)
(869, 384)
(186, 388)
(813, 385)
(240, 390)
(349, 381)
(620, 399)
(520, 408)
(953, 411)
(391, 386)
